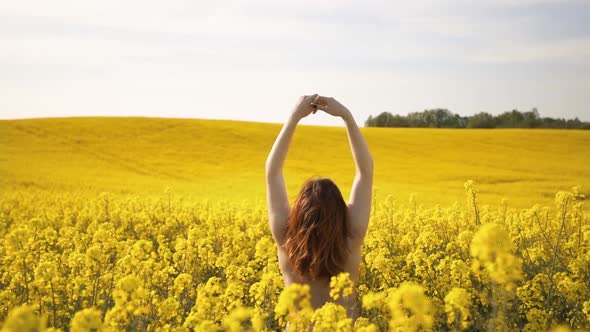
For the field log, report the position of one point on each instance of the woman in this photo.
(320, 235)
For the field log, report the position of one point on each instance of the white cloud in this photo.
(404, 56)
(569, 51)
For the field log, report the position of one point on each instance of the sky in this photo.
(252, 60)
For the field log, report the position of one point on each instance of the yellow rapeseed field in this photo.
(225, 159)
(142, 224)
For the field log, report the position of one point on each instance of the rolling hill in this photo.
(218, 159)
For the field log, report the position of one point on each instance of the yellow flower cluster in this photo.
(24, 318)
(410, 309)
(492, 249)
(87, 320)
(121, 263)
(331, 317)
(341, 286)
(458, 308)
(294, 307)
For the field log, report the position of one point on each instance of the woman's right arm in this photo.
(359, 203)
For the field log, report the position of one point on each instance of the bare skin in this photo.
(359, 203)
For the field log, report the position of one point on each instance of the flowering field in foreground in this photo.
(127, 263)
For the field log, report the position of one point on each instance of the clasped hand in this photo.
(310, 104)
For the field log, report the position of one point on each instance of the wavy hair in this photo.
(317, 230)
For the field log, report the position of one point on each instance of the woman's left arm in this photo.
(276, 193)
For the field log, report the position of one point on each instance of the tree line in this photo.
(443, 118)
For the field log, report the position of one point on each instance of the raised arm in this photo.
(361, 194)
(359, 203)
(276, 193)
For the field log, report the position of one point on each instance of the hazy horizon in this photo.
(250, 61)
(361, 122)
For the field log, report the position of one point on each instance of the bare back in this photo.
(320, 288)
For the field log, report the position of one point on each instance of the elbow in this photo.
(369, 171)
(370, 164)
(267, 168)
(270, 170)
(366, 168)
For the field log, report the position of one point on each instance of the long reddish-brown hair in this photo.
(317, 230)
